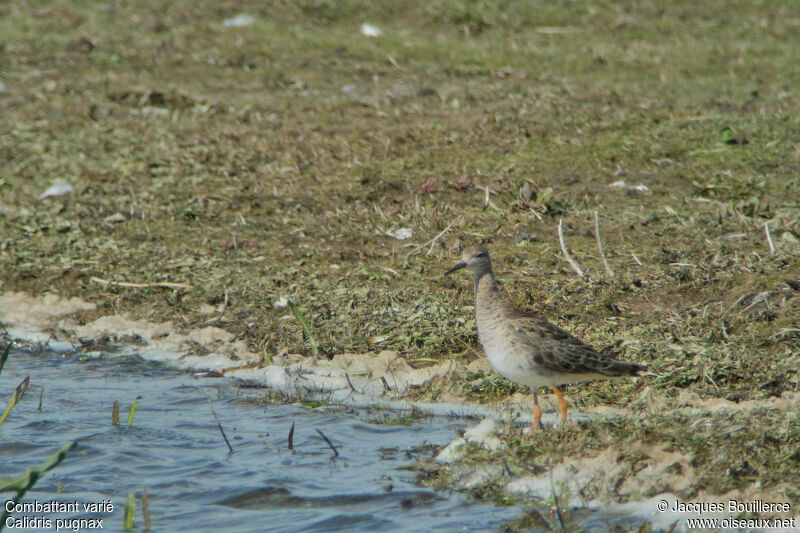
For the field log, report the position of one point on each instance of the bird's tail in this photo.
(624, 368)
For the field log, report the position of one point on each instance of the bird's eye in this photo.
(480, 254)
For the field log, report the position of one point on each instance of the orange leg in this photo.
(562, 405)
(537, 414)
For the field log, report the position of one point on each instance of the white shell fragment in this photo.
(634, 188)
(239, 20)
(116, 217)
(370, 30)
(58, 188)
(401, 234)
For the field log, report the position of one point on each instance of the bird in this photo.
(527, 349)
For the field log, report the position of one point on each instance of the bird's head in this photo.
(475, 258)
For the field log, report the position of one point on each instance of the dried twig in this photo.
(571, 261)
(555, 500)
(291, 437)
(786, 333)
(762, 297)
(257, 364)
(388, 270)
(507, 469)
(378, 210)
(142, 285)
(600, 245)
(385, 384)
(230, 448)
(335, 451)
(350, 383)
(769, 239)
(418, 247)
(146, 508)
(636, 259)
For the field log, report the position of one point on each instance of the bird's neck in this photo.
(485, 287)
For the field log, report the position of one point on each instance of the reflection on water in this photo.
(175, 450)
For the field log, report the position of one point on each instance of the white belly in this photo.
(510, 365)
(520, 368)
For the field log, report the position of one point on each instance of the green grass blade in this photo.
(130, 511)
(132, 411)
(15, 398)
(299, 316)
(4, 356)
(24, 482)
(115, 414)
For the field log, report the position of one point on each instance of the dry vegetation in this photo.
(272, 160)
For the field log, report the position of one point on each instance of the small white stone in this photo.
(370, 30)
(401, 234)
(116, 217)
(239, 20)
(58, 188)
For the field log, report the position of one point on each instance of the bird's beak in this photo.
(459, 266)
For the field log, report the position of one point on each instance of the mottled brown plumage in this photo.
(527, 349)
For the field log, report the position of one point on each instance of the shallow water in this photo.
(175, 450)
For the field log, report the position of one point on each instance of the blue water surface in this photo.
(175, 450)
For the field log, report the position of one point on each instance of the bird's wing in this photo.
(553, 348)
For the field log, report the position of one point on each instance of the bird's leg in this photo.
(562, 405)
(537, 413)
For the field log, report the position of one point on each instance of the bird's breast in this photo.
(506, 354)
